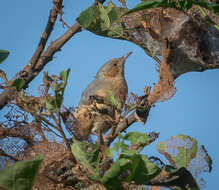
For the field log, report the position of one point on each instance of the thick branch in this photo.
(123, 125)
(37, 63)
(57, 6)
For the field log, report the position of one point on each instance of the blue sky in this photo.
(192, 111)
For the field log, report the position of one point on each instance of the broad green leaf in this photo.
(88, 155)
(111, 178)
(115, 31)
(105, 18)
(18, 83)
(137, 138)
(142, 170)
(112, 99)
(103, 23)
(182, 149)
(185, 152)
(112, 13)
(3, 55)
(21, 175)
(88, 16)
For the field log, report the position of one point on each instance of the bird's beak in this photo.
(126, 56)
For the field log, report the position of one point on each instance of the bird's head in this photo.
(114, 68)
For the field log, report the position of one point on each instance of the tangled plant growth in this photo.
(166, 28)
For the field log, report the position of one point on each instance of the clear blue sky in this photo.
(192, 111)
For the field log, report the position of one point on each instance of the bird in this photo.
(102, 101)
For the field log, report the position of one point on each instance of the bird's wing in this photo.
(92, 89)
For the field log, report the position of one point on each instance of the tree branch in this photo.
(21, 132)
(3, 153)
(123, 125)
(40, 58)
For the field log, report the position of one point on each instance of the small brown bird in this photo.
(95, 112)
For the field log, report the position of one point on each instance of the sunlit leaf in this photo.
(88, 17)
(21, 175)
(101, 20)
(137, 137)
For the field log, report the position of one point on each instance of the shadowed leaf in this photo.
(3, 55)
(18, 83)
(21, 175)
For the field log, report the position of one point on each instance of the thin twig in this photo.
(3, 153)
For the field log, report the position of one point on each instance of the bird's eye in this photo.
(115, 64)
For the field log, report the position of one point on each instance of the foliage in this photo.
(18, 83)
(96, 163)
(183, 151)
(182, 5)
(100, 20)
(58, 84)
(3, 55)
(89, 156)
(130, 163)
(21, 175)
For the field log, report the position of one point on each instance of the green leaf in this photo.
(142, 170)
(104, 16)
(137, 138)
(115, 31)
(186, 5)
(89, 156)
(55, 87)
(215, 9)
(112, 99)
(111, 178)
(58, 100)
(185, 152)
(88, 16)
(3, 55)
(204, 4)
(51, 104)
(151, 4)
(64, 77)
(21, 175)
(185, 149)
(104, 21)
(109, 152)
(18, 83)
